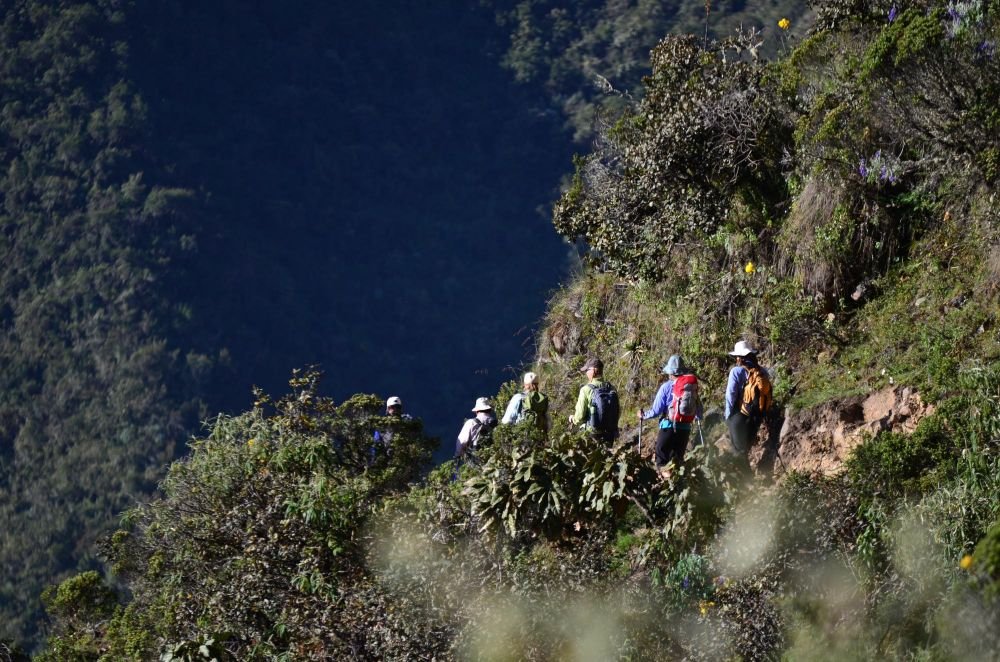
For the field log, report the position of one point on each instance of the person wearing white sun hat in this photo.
(383, 438)
(476, 427)
(748, 398)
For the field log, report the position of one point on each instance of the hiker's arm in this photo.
(512, 407)
(580, 413)
(734, 390)
(464, 437)
(660, 403)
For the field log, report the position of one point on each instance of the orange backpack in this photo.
(756, 394)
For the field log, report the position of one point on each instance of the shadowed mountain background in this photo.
(198, 197)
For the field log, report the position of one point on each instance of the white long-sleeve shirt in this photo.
(469, 435)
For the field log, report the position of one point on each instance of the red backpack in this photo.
(684, 406)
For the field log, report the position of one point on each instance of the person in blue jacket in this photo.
(742, 428)
(672, 440)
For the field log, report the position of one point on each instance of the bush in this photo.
(701, 139)
(259, 535)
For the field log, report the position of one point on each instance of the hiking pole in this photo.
(639, 446)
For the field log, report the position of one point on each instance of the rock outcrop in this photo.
(819, 439)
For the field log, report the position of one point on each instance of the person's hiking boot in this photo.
(665, 472)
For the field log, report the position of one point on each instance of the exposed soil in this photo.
(819, 439)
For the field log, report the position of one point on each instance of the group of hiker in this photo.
(677, 406)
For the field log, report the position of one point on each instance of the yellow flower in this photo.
(750, 268)
(966, 562)
(250, 442)
(784, 24)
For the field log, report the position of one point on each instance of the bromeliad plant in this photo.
(578, 481)
(527, 488)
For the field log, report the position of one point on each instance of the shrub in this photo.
(670, 171)
(261, 532)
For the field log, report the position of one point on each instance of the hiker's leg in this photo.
(739, 433)
(663, 447)
(678, 445)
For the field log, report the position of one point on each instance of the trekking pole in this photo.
(639, 447)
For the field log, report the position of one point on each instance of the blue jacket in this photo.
(738, 377)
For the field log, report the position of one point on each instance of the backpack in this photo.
(483, 432)
(684, 406)
(534, 408)
(757, 399)
(604, 410)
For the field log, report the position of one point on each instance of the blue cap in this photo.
(674, 366)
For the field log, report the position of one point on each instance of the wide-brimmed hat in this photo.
(592, 363)
(530, 378)
(394, 401)
(674, 365)
(482, 404)
(742, 349)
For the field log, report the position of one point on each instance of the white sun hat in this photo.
(482, 404)
(742, 349)
(393, 401)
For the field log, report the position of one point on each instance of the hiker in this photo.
(748, 398)
(677, 405)
(474, 429)
(597, 407)
(383, 438)
(528, 405)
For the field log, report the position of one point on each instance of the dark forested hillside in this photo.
(93, 397)
(370, 180)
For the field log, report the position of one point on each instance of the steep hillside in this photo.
(94, 395)
(835, 208)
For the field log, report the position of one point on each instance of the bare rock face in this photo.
(819, 439)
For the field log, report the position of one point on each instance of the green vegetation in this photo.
(836, 209)
(258, 542)
(589, 57)
(811, 205)
(280, 538)
(185, 193)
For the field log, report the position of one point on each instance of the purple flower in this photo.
(686, 583)
(862, 170)
(892, 14)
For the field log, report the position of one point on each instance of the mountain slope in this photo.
(791, 190)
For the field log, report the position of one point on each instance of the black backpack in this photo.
(604, 411)
(484, 431)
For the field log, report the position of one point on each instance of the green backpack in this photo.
(534, 408)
